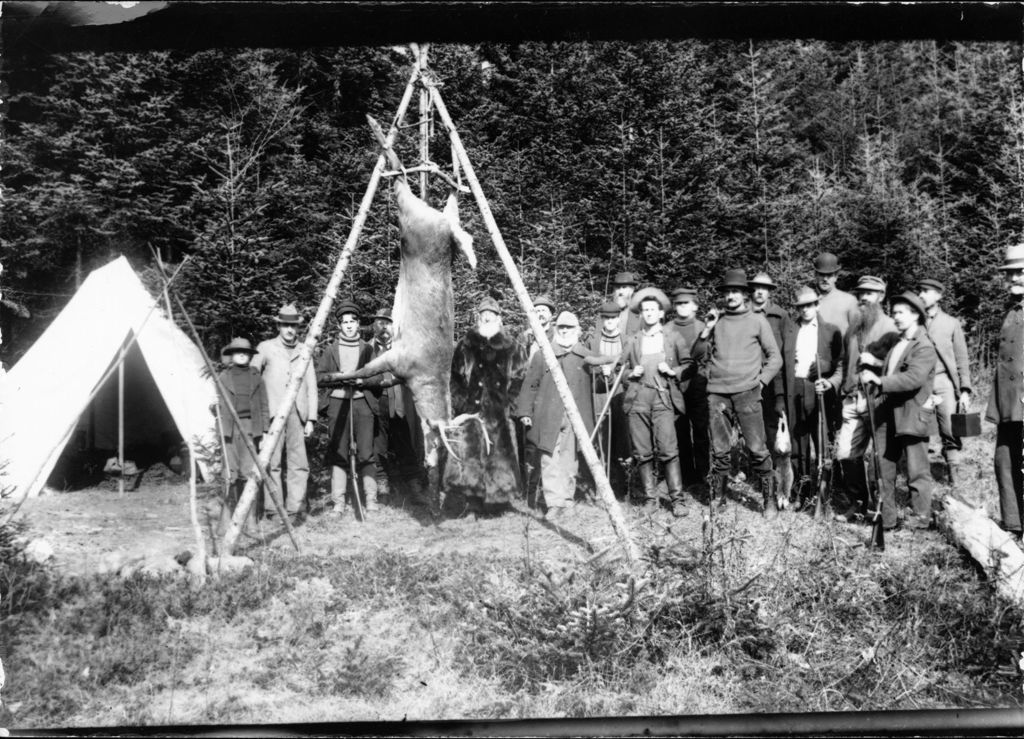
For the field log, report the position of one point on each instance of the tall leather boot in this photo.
(370, 492)
(856, 491)
(770, 508)
(339, 483)
(647, 482)
(674, 481)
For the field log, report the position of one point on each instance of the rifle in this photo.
(353, 450)
(819, 500)
(877, 530)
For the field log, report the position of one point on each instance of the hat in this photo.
(1014, 258)
(384, 313)
(544, 300)
(625, 278)
(929, 283)
(805, 296)
(649, 293)
(870, 282)
(488, 304)
(761, 279)
(610, 309)
(735, 278)
(289, 314)
(348, 306)
(913, 301)
(682, 294)
(237, 345)
(565, 318)
(826, 263)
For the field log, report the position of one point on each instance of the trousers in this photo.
(745, 408)
(1009, 479)
(293, 451)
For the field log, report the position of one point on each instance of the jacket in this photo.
(1004, 404)
(695, 382)
(906, 391)
(830, 360)
(947, 335)
(329, 363)
(259, 410)
(880, 338)
(275, 361)
(679, 360)
(539, 399)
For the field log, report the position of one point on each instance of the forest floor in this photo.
(514, 616)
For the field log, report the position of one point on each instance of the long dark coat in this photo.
(482, 374)
(258, 405)
(1004, 404)
(830, 356)
(539, 398)
(339, 437)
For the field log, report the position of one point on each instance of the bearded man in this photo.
(872, 334)
(1006, 403)
(485, 362)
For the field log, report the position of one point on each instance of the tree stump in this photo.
(991, 547)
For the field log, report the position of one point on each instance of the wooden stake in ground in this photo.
(272, 439)
(604, 488)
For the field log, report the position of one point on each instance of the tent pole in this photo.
(604, 489)
(120, 418)
(272, 439)
(193, 511)
(421, 62)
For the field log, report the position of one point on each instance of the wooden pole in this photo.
(604, 488)
(272, 439)
(421, 62)
(120, 419)
(193, 512)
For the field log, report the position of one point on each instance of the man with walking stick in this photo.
(903, 412)
(613, 434)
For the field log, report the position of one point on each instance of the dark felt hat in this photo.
(649, 293)
(913, 301)
(682, 294)
(489, 304)
(347, 306)
(928, 282)
(625, 278)
(609, 309)
(735, 279)
(384, 313)
(544, 300)
(826, 263)
(289, 314)
(238, 344)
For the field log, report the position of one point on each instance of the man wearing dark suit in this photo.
(692, 425)
(811, 365)
(904, 412)
(1006, 403)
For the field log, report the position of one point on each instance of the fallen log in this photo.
(991, 547)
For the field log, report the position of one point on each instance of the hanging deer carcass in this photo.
(424, 311)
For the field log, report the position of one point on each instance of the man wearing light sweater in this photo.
(741, 359)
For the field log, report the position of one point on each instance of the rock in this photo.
(111, 562)
(39, 550)
(230, 563)
(163, 565)
(183, 558)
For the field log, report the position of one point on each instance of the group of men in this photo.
(801, 389)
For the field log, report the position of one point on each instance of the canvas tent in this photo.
(45, 397)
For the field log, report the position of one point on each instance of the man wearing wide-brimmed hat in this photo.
(834, 305)
(1006, 403)
(904, 412)
(952, 373)
(742, 358)
(773, 396)
(692, 424)
(351, 407)
(812, 367)
(657, 364)
(276, 359)
(870, 337)
(245, 392)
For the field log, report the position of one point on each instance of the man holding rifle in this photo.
(900, 392)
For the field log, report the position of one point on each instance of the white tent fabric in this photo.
(47, 391)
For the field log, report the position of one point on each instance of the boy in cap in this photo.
(486, 362)
(1006, 403)
(834, 305)
(692, 425)
(540, 409)
(742, 359)
(350, 407)
(952, 373)
(657, 364)
(773, 396)
(608, 343)
(245, 392)
(904, 412)
(276, 359)
(623, 287)
(870, 337)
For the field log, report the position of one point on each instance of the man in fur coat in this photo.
(485, 362)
